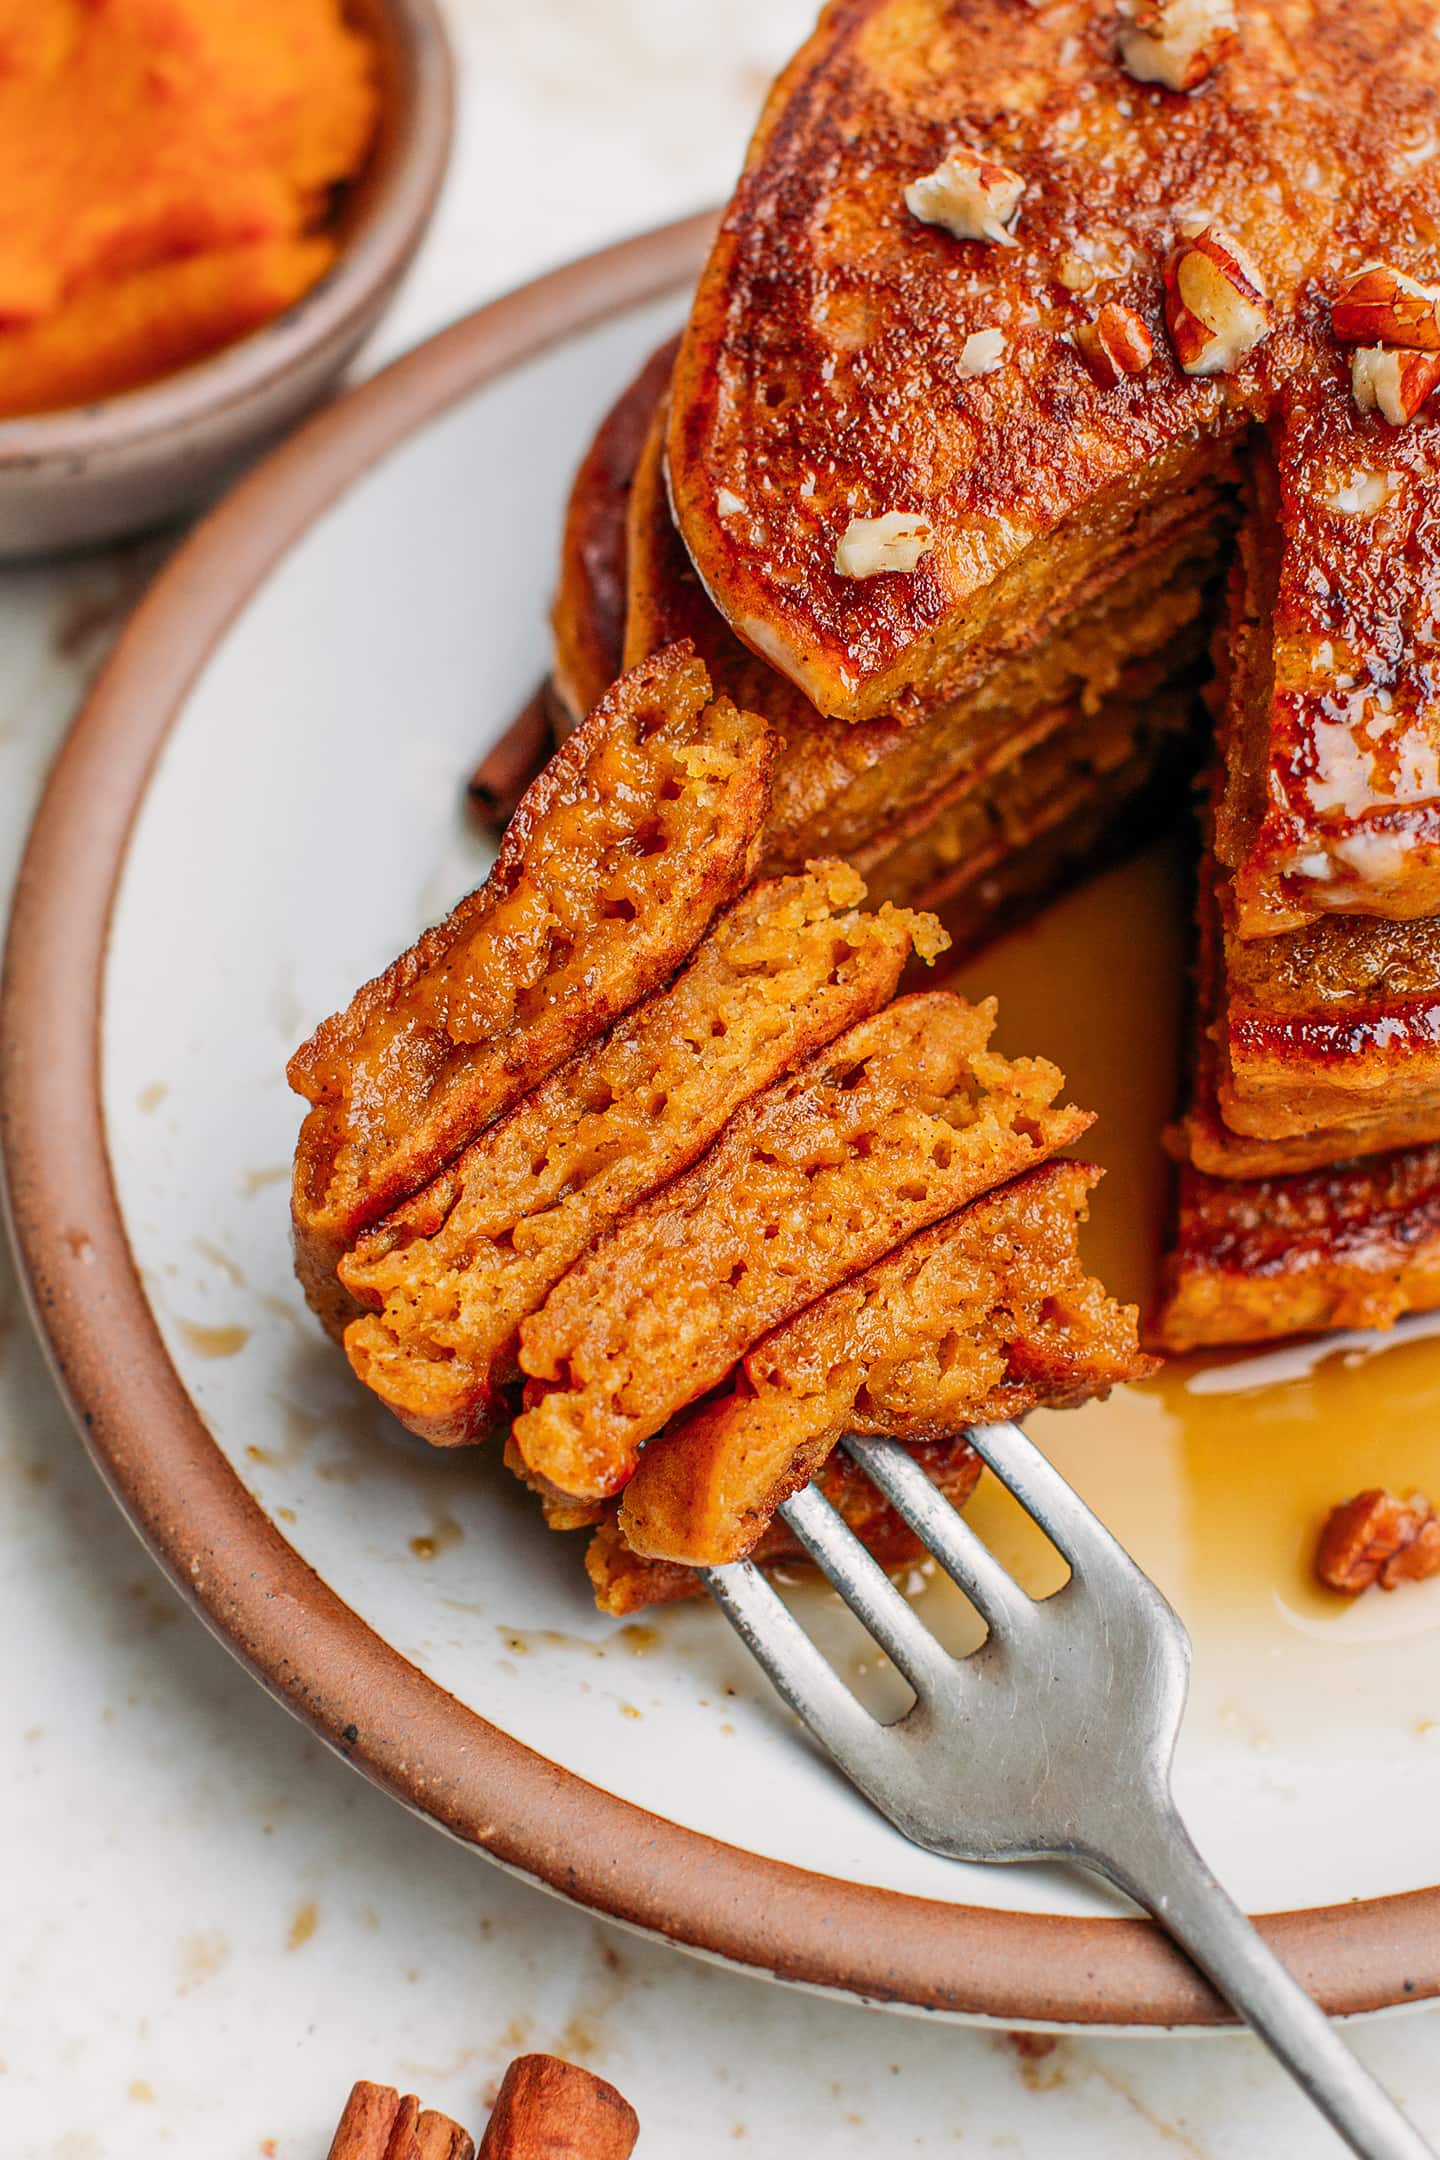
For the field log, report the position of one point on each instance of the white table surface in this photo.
(208, 1925)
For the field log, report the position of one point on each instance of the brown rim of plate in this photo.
(256, 1593)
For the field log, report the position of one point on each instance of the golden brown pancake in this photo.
(1351, 1246)
(1315, 1045)
(642, 826)
(1331, 802)
(588, 617)
(825, 377)
(982, 1317)
(1021, 793)
(837, 786)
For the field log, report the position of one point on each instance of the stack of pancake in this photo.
(1310, 1185)
(976, 718)
(1026, 325)
(635, 1126)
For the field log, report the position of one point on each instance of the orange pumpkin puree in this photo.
(167, 170)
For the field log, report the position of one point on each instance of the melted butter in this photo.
(1218, 1473)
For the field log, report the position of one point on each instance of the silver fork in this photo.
(1053, 1740)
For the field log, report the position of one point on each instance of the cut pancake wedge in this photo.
(640, 828)
(904, 1119)
(979, 1318)
(1331, 800)
(452, 1274)
(828, 378)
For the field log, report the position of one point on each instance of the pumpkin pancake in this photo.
(1315, 1045)
(904, 1119)
(982, 1317)
(1331, 799)
(1353, 1246)
(450, 1275)
(838, 787)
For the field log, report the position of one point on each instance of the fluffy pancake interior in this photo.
(904, 1119)
(452, 1274)
(979, 1318)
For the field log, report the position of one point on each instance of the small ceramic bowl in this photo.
(127, 463)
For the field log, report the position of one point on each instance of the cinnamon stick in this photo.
(378, 2124)
(363, 2132)
(553, 2110)
(504, 773)
(437, 2138)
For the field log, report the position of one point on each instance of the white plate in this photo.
(319, 669)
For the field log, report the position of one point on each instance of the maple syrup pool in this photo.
(1217, 1473)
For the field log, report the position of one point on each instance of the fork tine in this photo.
(867, 1589)
(775, 1638)
(966, 1558)
(1042, 1492)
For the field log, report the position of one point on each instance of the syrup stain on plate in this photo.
(213, 1342)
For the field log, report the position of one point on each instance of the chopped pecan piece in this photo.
(1115, 345)
(982, 352)
(1216, 306)
(1178, 43)
(1380, 305)
(898, 540)
(1394, 384)
(970, 196)
(1378, 1537)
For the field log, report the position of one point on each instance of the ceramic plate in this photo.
(260, 805)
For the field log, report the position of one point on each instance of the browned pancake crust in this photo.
(588, 616)
(640, 828)
(980, 1318)
(1332, 796)
(906, 1118)
(818, 377)
(624, 1583)
(1257, 1259)
(1204, 1138)
(448, 1278)
(1314, 1045)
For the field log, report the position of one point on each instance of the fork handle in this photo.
(1163, 1872)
